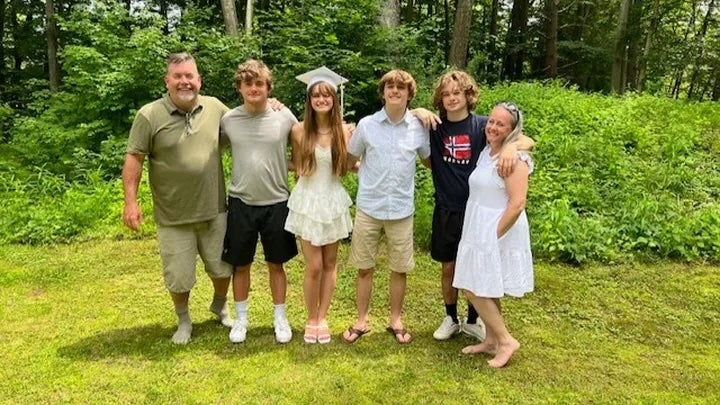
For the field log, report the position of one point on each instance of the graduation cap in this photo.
(323, 74)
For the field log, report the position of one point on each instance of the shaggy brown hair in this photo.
(464, 82)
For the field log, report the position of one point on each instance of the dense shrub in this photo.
(113, 65)
(46, 208)
(616, 179)
(619, 177)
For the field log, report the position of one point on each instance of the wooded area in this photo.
(73, 71)
(620, 177)
(662, 46)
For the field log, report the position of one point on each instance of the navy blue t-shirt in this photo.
(454, 151)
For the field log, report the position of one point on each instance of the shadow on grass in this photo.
(152, 342)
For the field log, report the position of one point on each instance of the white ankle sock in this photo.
(280, 311)
(241, 309)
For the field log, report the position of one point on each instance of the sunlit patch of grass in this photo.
(91, 322)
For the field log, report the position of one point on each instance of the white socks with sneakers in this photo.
(280, 311)
(241, 309)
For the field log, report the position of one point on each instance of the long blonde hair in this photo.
(338, 149)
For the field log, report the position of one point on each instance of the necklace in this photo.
(325, 132)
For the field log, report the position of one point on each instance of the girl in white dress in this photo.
(494, 257)
(319, 206)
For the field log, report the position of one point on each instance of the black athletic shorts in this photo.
(245, 222)
(446, 232)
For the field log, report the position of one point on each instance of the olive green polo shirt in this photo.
(183, 150)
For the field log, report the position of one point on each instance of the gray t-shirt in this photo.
(259, 154)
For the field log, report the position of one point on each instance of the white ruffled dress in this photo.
(319, 205)
(485, 265)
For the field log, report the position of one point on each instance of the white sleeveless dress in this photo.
(485, 265)
(319, 205)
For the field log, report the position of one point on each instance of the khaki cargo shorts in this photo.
(366, 237)
(180, 245)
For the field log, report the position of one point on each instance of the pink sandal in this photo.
(311, 334)
(323, 335)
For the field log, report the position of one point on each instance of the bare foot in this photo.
(484, 347)
(311, 333)
(323, 333)
(401, 334)
(355, 332)
(504, 353)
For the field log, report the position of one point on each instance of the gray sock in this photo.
(184, 330)
(219, 308)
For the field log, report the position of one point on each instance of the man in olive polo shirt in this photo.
(180, 135)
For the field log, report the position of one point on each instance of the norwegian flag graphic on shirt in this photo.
(457, 147)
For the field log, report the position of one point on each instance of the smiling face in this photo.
(322, 98)
(183, 83)
(254, 91)
(453, 99)
(397, 89)
(396, 95)
(499, 126)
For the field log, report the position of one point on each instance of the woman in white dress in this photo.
(494, 257)
(319, 206)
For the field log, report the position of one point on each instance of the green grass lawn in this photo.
(91, 323)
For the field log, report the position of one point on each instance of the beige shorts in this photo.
(180, 245)
(366, 236)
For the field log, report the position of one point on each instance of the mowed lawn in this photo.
(91, 323)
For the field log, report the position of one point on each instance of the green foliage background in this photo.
(616, 178)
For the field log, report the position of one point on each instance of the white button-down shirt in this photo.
(386, 179)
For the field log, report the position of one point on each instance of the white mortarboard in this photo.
(323, 74)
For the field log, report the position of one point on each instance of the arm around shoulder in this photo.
(524, 143)
(296, 134)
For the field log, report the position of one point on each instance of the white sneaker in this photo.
(238, 333)
(283, 333)
(476, 330)
(446, 329)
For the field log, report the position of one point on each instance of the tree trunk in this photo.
(491, 69)
(634, 35)
(578, 28)
(248, 17)
(408, 11)
(551, 37)
(229, 16)
(715, 96)
(642, 64)
(700, 39)
(680, 70)
(52, 46)
(515, 43)
(446, 32)
(390, 14)
(619, 55)
(461, 34)
(2, 47)
(15, 30)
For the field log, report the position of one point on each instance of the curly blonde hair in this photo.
(465, 83)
